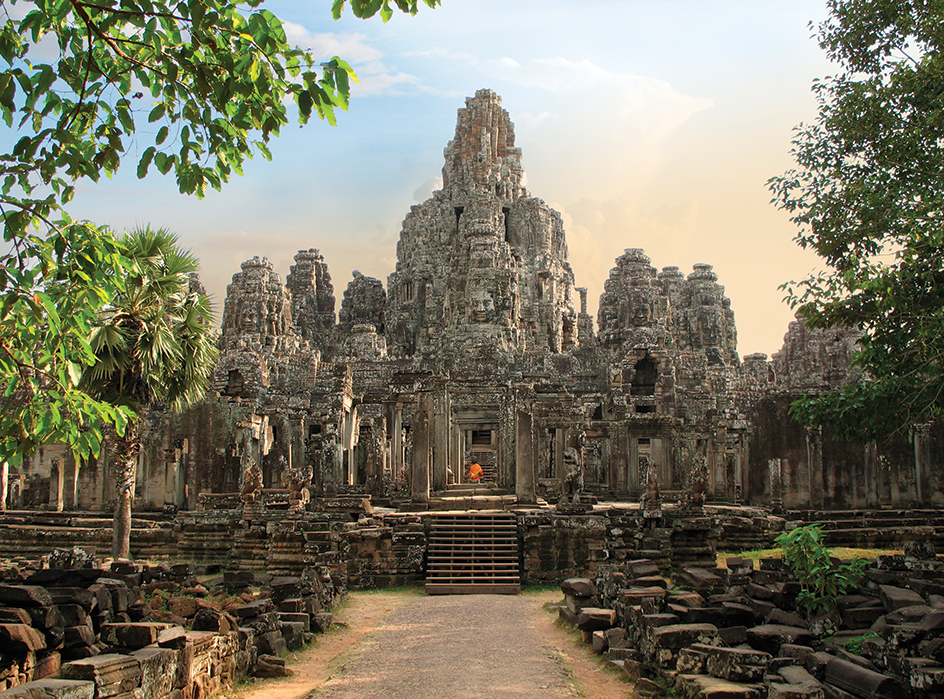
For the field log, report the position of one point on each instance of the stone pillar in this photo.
(56, 484)
(396, 440)
(4, 484)
(922, 452)
(419, 477)
(560, 441)
(870, 460)
(524, 460)
(439, 426)
(296, 451)
(814, 456)
(775, 476)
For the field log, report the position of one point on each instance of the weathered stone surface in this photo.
(20, 638)
(132, 635)
(51, 689)
(738, 664)
(897, 597)
(578, 587)
(769, 637)
(593, 619)
(25, 596)
(158, 670)
(705, 687)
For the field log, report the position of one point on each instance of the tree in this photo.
(868, 196)
(189, 87)
(153, 345)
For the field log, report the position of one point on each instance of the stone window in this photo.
(644, 377)
(234, 383)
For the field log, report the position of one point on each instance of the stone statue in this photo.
(698, 481)
(297, 481)
(251, 477)
(651, 501)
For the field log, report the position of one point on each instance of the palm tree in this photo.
(153, 346)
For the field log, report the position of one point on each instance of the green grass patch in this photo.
(839, 552)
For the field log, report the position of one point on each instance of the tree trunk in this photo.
(125, 454)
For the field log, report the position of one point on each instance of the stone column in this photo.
(814, 456)
(56, 484)
(419, 478)
(4, 485)
(776, 482)
(396, 449)
(870, 459)
(922, 452)
(524, 459)
(560, 441)
(439, 426)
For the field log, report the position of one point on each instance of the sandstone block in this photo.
(596, 619)
(738, 664)
(769, 637)
(132, 635)
(158, 670)
(897, 597)
(20, 638)
(705, 687)
(51, 689)
(578, 587)
(25, 596)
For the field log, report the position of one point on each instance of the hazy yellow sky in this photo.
(646, 123)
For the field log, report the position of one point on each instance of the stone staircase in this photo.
(473, 553)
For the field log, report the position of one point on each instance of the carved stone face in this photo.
(641, 314)
(481, 307)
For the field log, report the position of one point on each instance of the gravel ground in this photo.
(460, 647)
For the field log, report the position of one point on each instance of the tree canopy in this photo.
(868, 196)
(185, 87)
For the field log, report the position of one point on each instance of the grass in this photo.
(838, 552)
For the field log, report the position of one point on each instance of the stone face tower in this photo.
(482, 264)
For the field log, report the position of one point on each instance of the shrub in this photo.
(821, 579)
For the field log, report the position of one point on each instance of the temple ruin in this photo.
(480, 348)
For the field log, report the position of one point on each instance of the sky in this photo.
(649, 124)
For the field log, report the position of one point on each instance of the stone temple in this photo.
(479, 348)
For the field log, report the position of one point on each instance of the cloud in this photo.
(375, 76)
(353, 47)
(425, 190)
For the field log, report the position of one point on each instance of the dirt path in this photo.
(403, 644)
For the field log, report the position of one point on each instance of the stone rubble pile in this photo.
(150, 632)
(738, 633)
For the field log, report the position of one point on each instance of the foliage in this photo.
(854, 645)
(868, 196)
(49, 303)
(821, 579)
(152, 344)
(152, 341)
(188, 87)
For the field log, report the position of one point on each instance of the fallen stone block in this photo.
(596, 619)
(25, 596)
(738, 664)
(158, 670)
(706, 687)
(666, 641)
(897, 597)
(51, 689)
(861, 681)
(20, 638)
(578, 587)
(132, 635)
(270, 666)
(769, 637)
(111, 673)
(778, 616)
(294, 634)
(777, 690)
